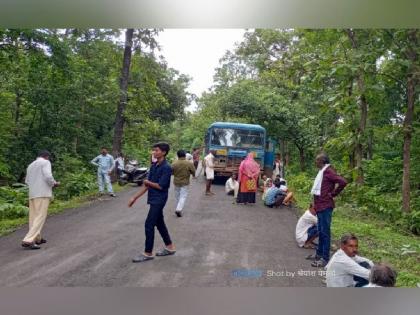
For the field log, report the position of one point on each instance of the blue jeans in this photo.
(361, 282)
(312, 231)
(324, 230)
(155, 219)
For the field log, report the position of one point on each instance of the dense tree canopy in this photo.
(59, 90)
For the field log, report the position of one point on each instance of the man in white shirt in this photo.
(188, 156)
(306, 228)
(40, 180)
(232, 185)
(119, 163)
(345, 268)
(209, 168)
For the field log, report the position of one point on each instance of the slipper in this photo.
(312, 257)
(142, 258)
(309, 246)
(319, 263)
(165, 252)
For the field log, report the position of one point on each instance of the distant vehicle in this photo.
(132, 173)
(232, 143)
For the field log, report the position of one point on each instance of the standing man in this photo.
(189, 157)
(40, 180)
(119, 163)
(277, 167)
(105, 163)
(182, 170)
(157, 186)
(196, 157)
(209, 167)
(326, 187)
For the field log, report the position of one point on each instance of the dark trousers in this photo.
(155, 218)
(361, 282)
(324, 230)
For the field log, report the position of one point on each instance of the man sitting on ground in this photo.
(306, 228)
(274, 196)
(382, 275)
(346, 268)
(267, 185)
(232, 185)
(261, 183)
(288, 194)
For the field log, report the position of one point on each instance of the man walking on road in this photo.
(324, 191)
(157, 186)
(209, 167)
(182, 170)
(196, 157)
(105, 163)
(40, 180)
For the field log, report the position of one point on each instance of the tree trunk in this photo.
(370, 145)
(119, 119)
(408, 121)
(363, 115)
(360, 132)
(302, 158)
(18, 100)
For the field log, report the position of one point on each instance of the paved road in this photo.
(93, 246)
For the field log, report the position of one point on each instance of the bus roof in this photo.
(236, 125)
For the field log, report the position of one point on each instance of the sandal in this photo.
(142, 258)
(320, 263)
(165, 252)
(309, 246)
(312, 257)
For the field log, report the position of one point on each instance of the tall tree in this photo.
(122, 104)
(412, 54)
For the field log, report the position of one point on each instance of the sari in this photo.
(249, 171)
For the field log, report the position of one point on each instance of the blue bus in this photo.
(233, 141)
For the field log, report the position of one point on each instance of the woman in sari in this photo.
(249, 171)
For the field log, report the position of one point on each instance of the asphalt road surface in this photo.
(218, 244)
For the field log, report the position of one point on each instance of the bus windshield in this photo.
(239, 138)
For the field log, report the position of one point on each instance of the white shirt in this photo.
(39, 178)
(372, 285)
(230, 185)
(306, 221)
(341, 269)
(188, 157)
(120, 161)
(209, 160)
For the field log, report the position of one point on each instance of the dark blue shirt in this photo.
(159, 174)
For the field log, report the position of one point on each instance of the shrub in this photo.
(75, 184)
(12, 211)
(384, 174)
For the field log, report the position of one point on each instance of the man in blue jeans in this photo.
(157, 186)
(326, 187)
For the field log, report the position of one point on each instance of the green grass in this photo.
(379, 241)
(56, 206)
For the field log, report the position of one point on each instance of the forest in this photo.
(352, 93)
